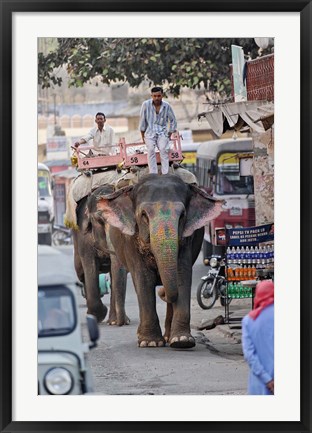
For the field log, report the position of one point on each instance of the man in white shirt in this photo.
(103, 137)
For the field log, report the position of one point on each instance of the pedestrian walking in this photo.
(157, 123)
(103, 136)
(258, 340)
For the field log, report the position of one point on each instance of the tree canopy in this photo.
(171, 62)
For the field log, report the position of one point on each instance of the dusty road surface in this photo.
(215, 366)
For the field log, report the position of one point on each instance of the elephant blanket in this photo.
(83, 185)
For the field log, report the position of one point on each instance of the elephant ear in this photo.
(117, 209)
(201, 209)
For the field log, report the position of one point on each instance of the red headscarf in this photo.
(264, 297)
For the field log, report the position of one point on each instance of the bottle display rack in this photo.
(243, 266)
(244, 262)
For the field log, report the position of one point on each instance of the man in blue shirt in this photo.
(155, 118)
(258, 340)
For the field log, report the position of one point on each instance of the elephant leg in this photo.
(177, 333)
(78, 267)
(149, 331)
(180, 336)
(117, 313)
(91, 275)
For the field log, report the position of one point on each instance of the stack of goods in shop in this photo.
(238, 291)
(243, 262)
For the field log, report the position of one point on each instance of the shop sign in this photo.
(250, 235)
(57, 144)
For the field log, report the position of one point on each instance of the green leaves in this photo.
(171, 62)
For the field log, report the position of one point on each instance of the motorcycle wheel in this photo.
(60, 238)
(205, 299)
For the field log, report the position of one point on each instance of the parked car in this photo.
(63, 366)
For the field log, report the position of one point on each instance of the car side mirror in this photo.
(93, 329)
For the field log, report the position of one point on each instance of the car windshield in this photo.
(234, 175)
(44, 186)
(56, 312)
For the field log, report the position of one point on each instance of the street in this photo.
(215, 366)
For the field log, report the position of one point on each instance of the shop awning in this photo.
(256, 115)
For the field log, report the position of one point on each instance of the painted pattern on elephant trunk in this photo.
(164, 238)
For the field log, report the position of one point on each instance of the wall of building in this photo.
(264, 176)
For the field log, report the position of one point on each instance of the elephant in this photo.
(156, 228)
(93, 255)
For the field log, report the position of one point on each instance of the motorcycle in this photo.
(61, 236)
(213, 285)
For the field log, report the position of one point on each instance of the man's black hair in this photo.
(157, 89)
(100, 114)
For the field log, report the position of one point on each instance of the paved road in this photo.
(215, 366)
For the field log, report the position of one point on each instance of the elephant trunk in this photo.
(164, 240)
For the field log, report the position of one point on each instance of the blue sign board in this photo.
(244, 236)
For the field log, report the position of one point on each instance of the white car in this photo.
(63, 366)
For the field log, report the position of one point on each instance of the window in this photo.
(44, 184)
(56, 312)
(234, 174)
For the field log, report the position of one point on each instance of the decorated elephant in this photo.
(92, 254)
(92, 257)
(156, 228)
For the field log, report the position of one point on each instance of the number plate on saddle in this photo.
(136, 153)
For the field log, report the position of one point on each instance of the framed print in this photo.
(23, 24)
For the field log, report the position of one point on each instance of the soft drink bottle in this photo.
(228, 255)
(243, 255)
(236, 290)
(251, 255)
(247, 256)
(260, 256)
(233, 255)
(241, 290)
(256, 256)
(254, 272)
(269, 260)
(238, 255)
(265, 256)
(229, 290)
(230, 274)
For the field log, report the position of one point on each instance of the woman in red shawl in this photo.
(258, 340)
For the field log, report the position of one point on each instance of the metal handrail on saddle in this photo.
(127, 155)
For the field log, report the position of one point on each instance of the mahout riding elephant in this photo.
(156, 228)
(94, 255)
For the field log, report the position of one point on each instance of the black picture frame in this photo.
(8, 7)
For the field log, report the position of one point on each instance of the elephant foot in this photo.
(182, 342)
(151, 343)
(99, 312)
(113, 321)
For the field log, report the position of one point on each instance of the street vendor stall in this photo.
(249, 258)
